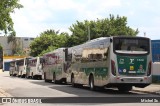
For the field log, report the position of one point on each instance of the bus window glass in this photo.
(94, 54)
(134, 45)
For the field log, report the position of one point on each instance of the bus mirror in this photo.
(111, 40)
(66, 54)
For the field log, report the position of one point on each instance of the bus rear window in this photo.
(131, 45)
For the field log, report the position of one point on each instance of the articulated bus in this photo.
(54, 66)
(120, 62)
(22, 67)
(34, 68)
(13, 68)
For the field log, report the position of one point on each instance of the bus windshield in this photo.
(20, 62)
(136, 45)
(12, 64)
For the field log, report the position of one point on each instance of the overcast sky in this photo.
(40, 15)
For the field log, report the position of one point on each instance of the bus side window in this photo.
(99, 56)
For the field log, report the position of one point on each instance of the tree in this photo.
(1, 48)
(6, 24)
(48, 41)
(15, 45)
(13, 42)
(7, 7)
(100, 28)
(1, 57)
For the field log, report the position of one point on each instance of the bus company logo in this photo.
(6, 100)
(121, 61)
(140, 59)
(131, 61)
(124, 70)
(21, 100)
(131, 67)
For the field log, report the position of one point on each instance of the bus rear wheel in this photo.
(72, 80)
(91, 83)
(45, 78)
(54, 78)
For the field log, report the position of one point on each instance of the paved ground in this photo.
(2, 92)
(153, 89)
(42, 89)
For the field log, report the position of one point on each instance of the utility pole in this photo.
(144, 34)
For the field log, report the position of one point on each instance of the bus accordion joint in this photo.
(113, 68)
(149, 68)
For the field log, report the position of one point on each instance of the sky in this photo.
(39, 15)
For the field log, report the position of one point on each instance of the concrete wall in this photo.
(156, 68)
(24, 42)
(156, 72)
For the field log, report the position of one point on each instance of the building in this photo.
(155, 50)
(156, 60)
(22, 42)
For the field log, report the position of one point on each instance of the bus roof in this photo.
(54, 51)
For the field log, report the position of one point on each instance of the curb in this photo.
(150, 92)
(4, 93)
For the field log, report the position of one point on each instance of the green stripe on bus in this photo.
(57, 71)
(99, 71)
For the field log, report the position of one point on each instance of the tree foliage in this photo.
(48, 41)
(6, 8)
(1, 48)
(112, 26)
(6, 24)
(51, 39)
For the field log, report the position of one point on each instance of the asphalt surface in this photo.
(21, 87)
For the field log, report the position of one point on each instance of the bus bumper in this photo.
(132, 81)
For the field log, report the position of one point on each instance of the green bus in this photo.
(121, 62)
(54, 66)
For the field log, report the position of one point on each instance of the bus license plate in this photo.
(131, 80)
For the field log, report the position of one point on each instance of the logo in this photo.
(6, 100)
(131, 67)
(21, 100)
(124, 70)
(121, 61)
(120, 70)
(131, 61)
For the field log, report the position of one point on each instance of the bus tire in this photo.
(91, 83)
(45, 77)
(54, 78)
(124, 88)
(32, 76)
(73, 80)
(40, 77)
